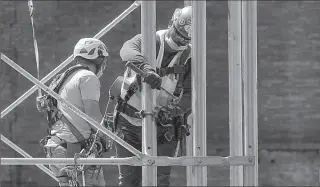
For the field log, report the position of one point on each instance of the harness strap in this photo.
(180, 76)
(65, 75)
(176, 69)
(72, 128)
(57, 114)
(127, 109)
(122, 105)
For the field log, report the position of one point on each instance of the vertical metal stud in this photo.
(199, 84)
(235, 89)
(250, 114)
(149, 135)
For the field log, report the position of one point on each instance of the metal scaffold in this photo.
(242, 44)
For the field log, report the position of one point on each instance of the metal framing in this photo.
(189, 139)
(149, 130)
(242, 42)
(242, 68)
(235, 89)
(199, 84)
(250, 105)
(134, 161)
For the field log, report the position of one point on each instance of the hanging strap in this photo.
(180, 76)
(36, 51)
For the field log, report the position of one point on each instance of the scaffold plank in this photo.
(134, 161)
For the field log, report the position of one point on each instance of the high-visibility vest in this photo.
(169, 82)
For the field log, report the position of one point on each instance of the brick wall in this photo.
(288, 92)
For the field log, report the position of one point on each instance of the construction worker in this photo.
(69, 134)
(172, 73)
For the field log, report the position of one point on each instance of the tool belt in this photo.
(71, 148)
(177, 127)
(127, 109)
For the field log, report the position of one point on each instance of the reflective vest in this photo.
(169, 82)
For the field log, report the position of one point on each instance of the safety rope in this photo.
(105, 118)
(36, 51)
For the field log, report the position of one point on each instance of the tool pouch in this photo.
(44, 142)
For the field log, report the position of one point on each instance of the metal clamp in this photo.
(143, 113)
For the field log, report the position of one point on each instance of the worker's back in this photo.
(81, 85)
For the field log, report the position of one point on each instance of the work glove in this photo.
(42, 104)
(153, 79)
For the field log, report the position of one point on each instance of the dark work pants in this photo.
(131, 175)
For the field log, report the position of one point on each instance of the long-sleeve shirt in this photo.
(131, 51)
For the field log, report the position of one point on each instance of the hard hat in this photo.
(181, 21)
(90, 48)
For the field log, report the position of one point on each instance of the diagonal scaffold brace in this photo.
(72, 108)
(106, 29)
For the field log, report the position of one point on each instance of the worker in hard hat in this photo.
(69, 134)
(173, 74)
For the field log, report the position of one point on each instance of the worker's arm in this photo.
(92, 109)
(89, 86)
(131, 51)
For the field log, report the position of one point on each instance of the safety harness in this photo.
(179, 70)
(49, 104)
(171, 117)
(90, 146)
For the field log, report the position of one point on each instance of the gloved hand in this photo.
(42, 104)
(153, 79)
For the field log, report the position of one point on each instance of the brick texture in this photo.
(288, 71)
